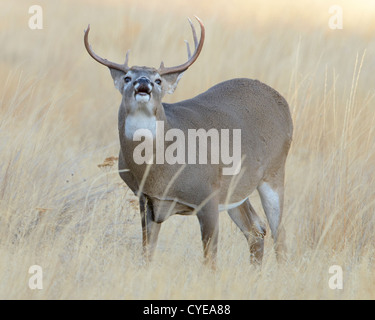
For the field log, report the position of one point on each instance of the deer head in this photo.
(144, 87)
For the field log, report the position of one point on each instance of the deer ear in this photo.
(170, 81)
(118, 78)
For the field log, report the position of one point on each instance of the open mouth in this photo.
(142, 95)
(142, 92)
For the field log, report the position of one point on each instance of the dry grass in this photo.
(58, 111)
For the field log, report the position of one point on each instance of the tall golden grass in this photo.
(80, 223)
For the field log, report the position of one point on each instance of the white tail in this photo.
(242, 116)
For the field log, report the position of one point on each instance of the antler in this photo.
(191, 58)
(122, 67)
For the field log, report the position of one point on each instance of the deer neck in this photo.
(140, 119)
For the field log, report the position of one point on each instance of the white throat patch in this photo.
(137, 121)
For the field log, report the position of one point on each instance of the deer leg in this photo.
(272, 196)
(245, 217)
(208, 218)
(150, 229)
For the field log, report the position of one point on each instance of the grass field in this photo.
(80, 223)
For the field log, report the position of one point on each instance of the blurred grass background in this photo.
(80, 223)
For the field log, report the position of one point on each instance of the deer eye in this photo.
(127, 79)
(158, 81)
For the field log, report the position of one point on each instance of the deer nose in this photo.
(141, 80)
(142, 85)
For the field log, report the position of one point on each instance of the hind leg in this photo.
(245, 217)
(271, 191)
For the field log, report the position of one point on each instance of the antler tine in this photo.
(194, 37)
(122, 67)
(127, 58)
(188, 49)
(191, 58)
(194, 33)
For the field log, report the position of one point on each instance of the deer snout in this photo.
(143, 86)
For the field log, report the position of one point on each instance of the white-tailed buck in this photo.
(185, 186)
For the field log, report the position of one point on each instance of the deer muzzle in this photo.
(142, 86)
